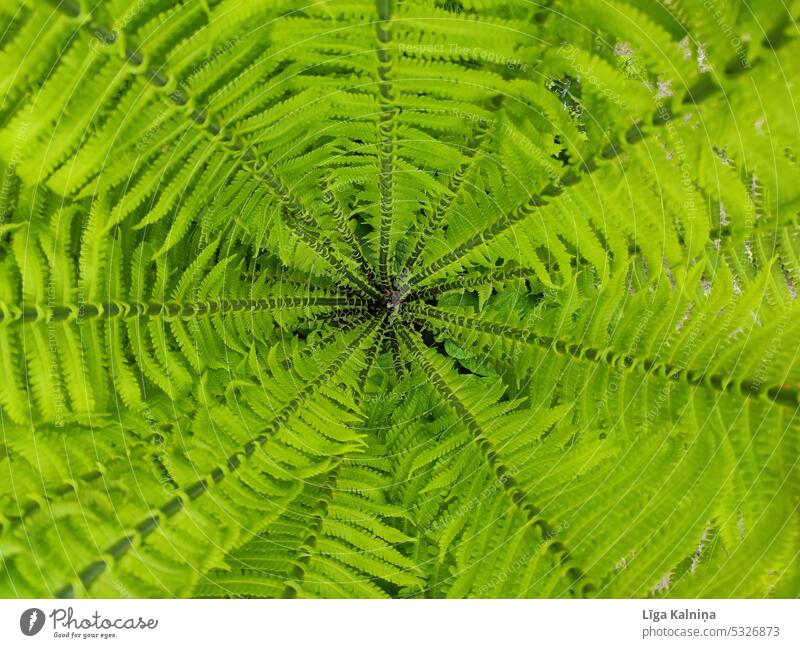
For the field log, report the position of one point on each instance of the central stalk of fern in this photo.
(396, 295)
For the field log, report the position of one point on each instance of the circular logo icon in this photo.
(31, 621)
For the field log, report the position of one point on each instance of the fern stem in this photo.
(220, 134)
(120, 548)
(315, 526)
(434, 221)
(329, 199)
(781, 395)
(387, 136)
(399, 366)
(107, 36)
(489, 233)
(57, 492)
(501, 275)
(106, 310)
(297, 223)
(324, 251)
(343, 318)
(68, 487)
(573, 175)
(489, 452)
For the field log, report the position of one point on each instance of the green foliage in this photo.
(399, 298)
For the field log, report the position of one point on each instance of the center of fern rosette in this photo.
(396, 295)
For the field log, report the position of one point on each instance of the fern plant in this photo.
(411, 298)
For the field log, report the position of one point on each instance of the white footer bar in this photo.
(386, 624)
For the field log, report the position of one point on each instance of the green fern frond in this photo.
(399, 298)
